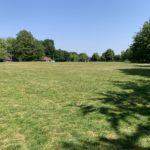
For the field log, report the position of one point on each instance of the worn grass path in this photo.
(74, 106)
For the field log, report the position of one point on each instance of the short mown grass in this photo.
(74, 106)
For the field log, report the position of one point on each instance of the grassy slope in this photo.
(74, 106)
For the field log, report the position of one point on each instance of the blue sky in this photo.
(76, 25)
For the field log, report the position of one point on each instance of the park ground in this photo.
(74, 106)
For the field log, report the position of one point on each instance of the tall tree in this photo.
(126, 55)
(141, 44)
(83, 57)
(109, 55)
(26, 47)
(95, 57)
(74, 57)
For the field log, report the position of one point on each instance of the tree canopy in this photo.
(3, 52)
(95, 57)
(83, 57)
(140, 48)
(109, 55)
(25, 47)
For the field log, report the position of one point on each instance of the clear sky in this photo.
(76, 25)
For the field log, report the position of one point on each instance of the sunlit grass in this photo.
(74, 106)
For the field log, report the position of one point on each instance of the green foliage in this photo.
(127, 55)
(10, 46)
(117, 58)
(109, 55)
(141, 45)
(67, 56)
(24, 46)
(74, 57)
(83, 57)
(102, 58)
(124, 56)
(3, 51)
(10, 43)
(27, 48)
(38, 50)
(95, 57)
(59, 55)
(49, 48)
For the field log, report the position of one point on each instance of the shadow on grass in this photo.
(133, 102)
(145, 72)
(143, 65)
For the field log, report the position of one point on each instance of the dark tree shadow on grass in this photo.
(132, 102)
(143, 65)
(137, 71)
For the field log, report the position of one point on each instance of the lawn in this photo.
(74, 106)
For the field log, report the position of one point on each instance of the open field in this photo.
(74, 106)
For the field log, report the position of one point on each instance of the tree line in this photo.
(25, 47)
(139, 50)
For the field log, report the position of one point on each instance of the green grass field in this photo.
(74, 106)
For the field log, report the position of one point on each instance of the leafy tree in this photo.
(117, 58)
(123, 56)
(74, 57)
(10, 46)
(102, 58)
(26, 47)
(95, 57)
(59, 55)
(67, 56)
(109, 55)
(141, 44)
(126, 55)
(83, 57)
(38, 50)
(49, 48)
(3, 51)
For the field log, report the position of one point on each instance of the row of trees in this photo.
(139, 50)
(27, 48)
(108, 55)
(22, 48)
